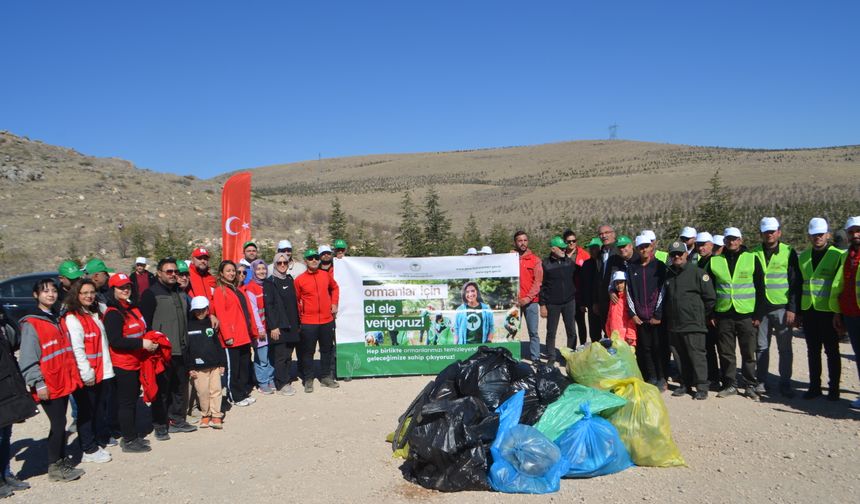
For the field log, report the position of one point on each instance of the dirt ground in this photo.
(329, 447)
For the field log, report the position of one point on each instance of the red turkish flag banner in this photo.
(235, 216)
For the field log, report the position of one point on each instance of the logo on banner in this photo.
(415, 266)
(379, 265)
(473, 321)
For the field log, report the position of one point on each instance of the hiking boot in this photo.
(217, 423)
(329, 382)
(15, 483)
(753, 394)
(701, 395)
(680, 391)
(727, 391)
(204, 422)
(97, 457)
(812, 393)
(61, 470)
(161, 433)
(181, 426)
(134, 446)
(786, 391)
(287, 390)
(309, 386)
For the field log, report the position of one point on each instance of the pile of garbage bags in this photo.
(491, 422)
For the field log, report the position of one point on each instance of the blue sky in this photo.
(207, 87)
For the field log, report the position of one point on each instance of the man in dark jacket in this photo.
(141, 279)
(587, 276)
(557, 296)
(165, 308)
(603, 272)
(645, 279)
(689, 301)
(18, 405)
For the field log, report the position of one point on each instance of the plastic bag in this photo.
(560, 415)
(592, 447)
(543, 385)
(643, 424)
(449, 443)
(488, 375)
(593, 362)
(524, 460)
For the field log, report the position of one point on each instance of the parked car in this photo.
(16, 294)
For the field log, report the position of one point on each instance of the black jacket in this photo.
(204, 349)
(16, 403)
(689, 299)
(645, 289)
(558, 286)
(282, 308)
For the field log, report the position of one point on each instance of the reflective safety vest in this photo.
(736, 290)
(775, 273)
(133, 327)
(57, 363)
(92, 342)
(821, 284)
(662, 256)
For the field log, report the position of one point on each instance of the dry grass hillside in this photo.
(58, 203)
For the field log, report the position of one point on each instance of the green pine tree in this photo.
(471, 234)
(500, 239)
(717, 211)
(410, 238)
(310, 242)
(337, 222)
(437, 226)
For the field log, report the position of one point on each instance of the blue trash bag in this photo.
(524, 460)
(593, 447)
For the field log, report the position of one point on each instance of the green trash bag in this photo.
(643, 424)
(566, 411)
(594, 362)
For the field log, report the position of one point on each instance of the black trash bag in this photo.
(488, 374)
(449, 445)
(542, 387)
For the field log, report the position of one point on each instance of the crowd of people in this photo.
(688, 309)
(102, 340)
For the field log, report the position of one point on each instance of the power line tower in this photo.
(613, 131)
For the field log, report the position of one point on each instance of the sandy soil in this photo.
(329, 447)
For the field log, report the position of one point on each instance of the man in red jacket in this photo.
(531, 276)
(202, 282)
(318, 296)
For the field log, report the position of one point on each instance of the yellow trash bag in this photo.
(403, 451)
(593, 362)
(643, 424)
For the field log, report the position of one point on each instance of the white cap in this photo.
(768, 224)
(643, 240)
(323, 249)
(719, 241)
(487, 250)
(817, 225)
(199, 302)
(852, 222)
(650, 234)
(284, 244)
(471, 251)
(732, 231)
(688, 232)
(704, 237)
(619, 275)
(244, 262)
(140, 260)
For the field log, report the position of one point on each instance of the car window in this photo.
(23, 287)
(6, 289)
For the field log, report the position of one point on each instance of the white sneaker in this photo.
(855, 404)
(97, 457)
(243, 403)
(250, 400)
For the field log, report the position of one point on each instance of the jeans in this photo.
(531, 312)
(774, 322)
(734, 333)
(554, 312)
(852, 324)
(263, 369)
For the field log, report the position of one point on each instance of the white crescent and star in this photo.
(245, 225)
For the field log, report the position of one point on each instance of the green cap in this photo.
(70, 270)
(340, 244)
(247, 243)
(310, 252)
(96, 265)
(557, 241)
(181, 266)
(623, 241)
(595, 242)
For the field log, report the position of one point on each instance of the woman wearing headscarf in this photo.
(263, 371)
(282, 320)
(230, 305)
(474, 319)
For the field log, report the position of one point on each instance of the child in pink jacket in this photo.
(619, 320)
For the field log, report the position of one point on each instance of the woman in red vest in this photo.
(235, 329)
(125, 327)
(48, 365)
(82, 322)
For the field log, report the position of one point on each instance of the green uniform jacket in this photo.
(689, 299)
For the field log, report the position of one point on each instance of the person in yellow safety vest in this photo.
(821, 267)
(849, 295)
(782, 282)
(738, 281)
(719, 243)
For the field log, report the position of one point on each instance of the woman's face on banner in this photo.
(471, 295)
